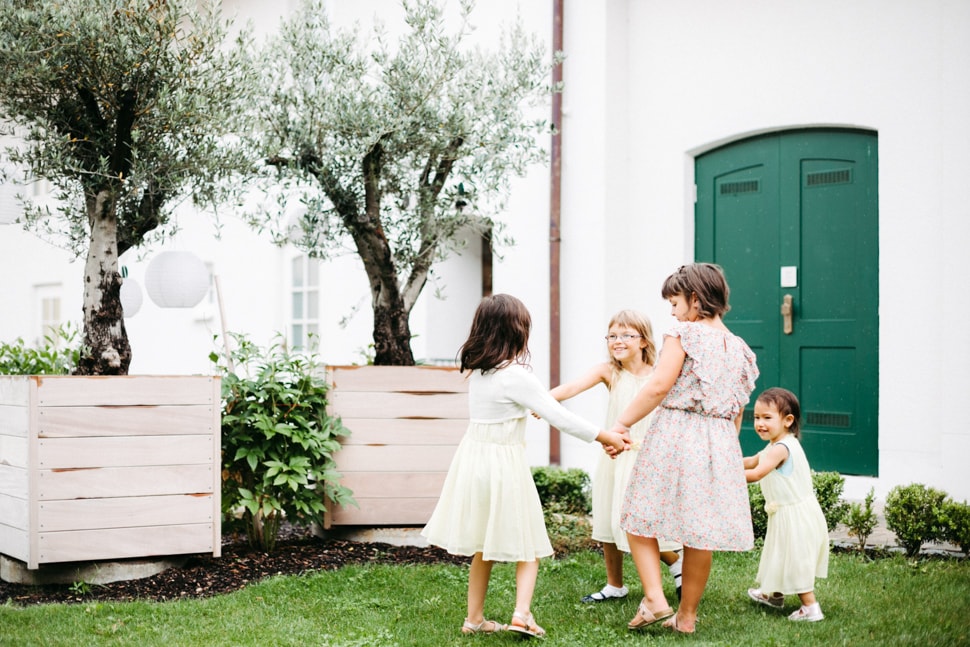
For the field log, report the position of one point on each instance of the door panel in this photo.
(809, 206)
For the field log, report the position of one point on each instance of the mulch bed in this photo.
(297, 551)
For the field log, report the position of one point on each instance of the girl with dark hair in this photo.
(489, 507)
(687, 485)
(796, 548)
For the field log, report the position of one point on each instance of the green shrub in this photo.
(563, 490)
(958, 525)
(759, 518)
(58, 355)
(917, 514)
(828, 488)
(277, 441)
(569, 533)
(861, 520)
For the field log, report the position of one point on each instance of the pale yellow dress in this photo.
(796, 548)
(489, 503)
(612, 475)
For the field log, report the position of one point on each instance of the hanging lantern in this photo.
(176, 280)
(131, 297)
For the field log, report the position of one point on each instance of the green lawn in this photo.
(885, 602)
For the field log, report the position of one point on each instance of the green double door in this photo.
(793, 220)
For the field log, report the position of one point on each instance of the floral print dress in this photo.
(688, 483)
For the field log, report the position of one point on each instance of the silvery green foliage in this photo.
(118, 105)
(392, 147)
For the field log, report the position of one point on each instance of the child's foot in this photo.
(776, 601)
(608, 592)
(525, 624)
(810, 613)
(676, 569)
(484, 627)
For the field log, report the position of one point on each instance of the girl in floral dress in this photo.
(688, 483)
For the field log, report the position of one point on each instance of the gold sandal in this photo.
(645, 617)
(525, 624)
(486, 626)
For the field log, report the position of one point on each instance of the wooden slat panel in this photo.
(13, 542)
(121, 543)
(13, 512)
(411, 379)
(60, 422)
(373, 431)
(379, 512)
(124, 451)
(13, 451)
(359, 404)
(389, 485)
(124, 481)
(13, 420)
(408, 458)
(66, 391)
(13, 390)
(126, 512)
(13, 481)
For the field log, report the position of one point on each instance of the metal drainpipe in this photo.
(554, 220)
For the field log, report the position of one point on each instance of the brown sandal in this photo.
(645, 617)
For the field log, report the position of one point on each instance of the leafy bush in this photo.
(569, 533)
(861, 520)
(958, 525)
(563, 490)
(58, 355)
(828, 488)
(759, 518)
(277, 441)
(917, 514)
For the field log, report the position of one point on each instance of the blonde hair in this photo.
(639, 322)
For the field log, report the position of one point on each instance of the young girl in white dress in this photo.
(489, 507)
(796, 548)
(632, 352)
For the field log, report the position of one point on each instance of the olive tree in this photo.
(118, 104)
(393, 148)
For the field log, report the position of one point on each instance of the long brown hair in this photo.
(705, 281)
(639, 322)
(499, 334)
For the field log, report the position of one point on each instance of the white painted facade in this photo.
(649, 85)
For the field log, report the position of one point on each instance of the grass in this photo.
(887, 601)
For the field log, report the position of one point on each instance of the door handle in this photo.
(786, 315)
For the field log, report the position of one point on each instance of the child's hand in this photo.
(614, 443)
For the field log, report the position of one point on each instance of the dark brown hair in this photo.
(639, 322)
(786, 403)
(705, 281)
(499, 334)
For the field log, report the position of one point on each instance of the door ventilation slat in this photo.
(821, 178)
(744, 186)
(822, 419)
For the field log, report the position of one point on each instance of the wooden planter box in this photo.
(406, 422)
(103, 468)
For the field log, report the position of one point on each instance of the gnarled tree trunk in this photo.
(107, 350)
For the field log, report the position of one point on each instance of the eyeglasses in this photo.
(621, 337)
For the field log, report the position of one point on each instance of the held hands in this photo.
(615, 443)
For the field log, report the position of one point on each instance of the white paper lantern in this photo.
(176, 280)
(131, 297)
